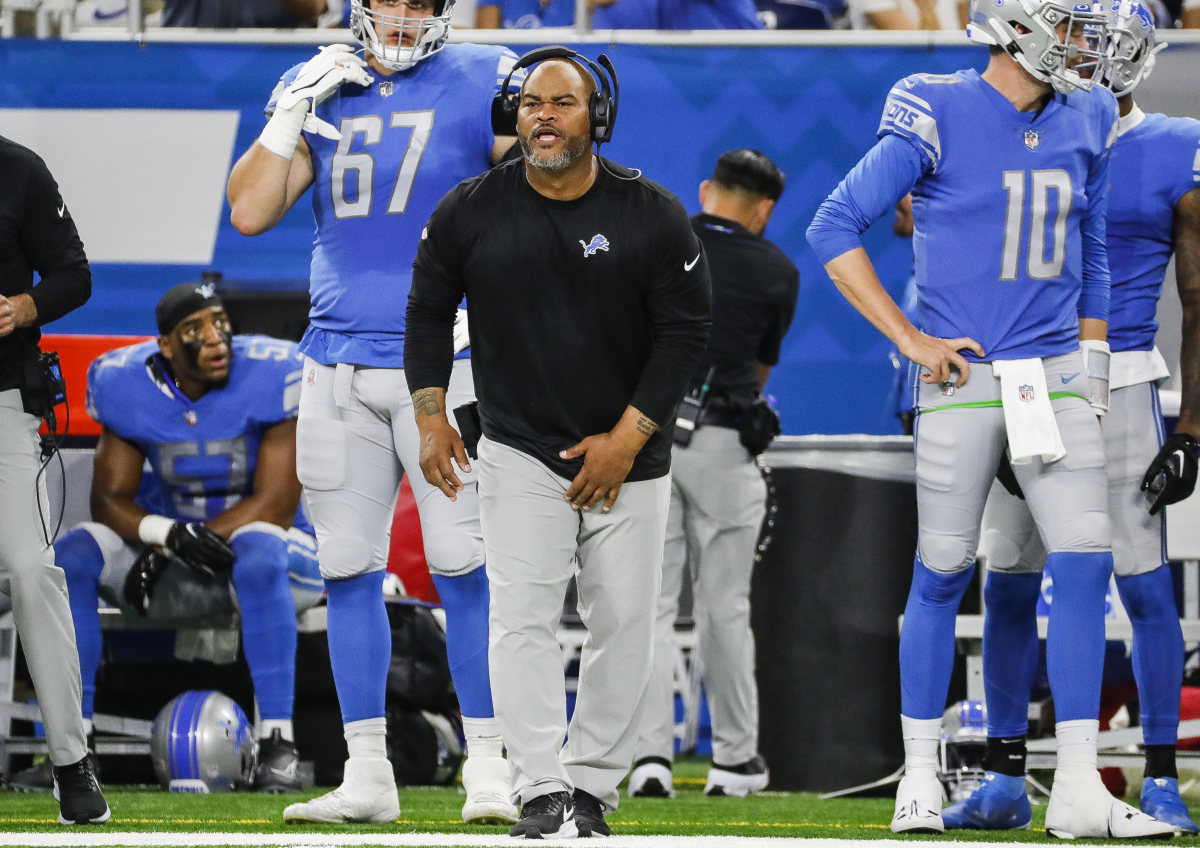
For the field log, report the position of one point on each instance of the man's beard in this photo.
(559, 161)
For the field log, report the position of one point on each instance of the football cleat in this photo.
(1160, 798)
(1081, 808)
(367, 794)
(1000, 803)
(276, 766)
(918, 803)
(488, 785)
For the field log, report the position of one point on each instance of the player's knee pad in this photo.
(81, 553)
(343, 557)
(320, 452)
(1000, 552)
(452, 553)
(946, 553)
(1087, 531)
(262, 555)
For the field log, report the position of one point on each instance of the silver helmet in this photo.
(963, 745)
(201, 742)
(1042, 45)
(366, 23)
(1131, 48)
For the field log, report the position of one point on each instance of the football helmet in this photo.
(1129, 58)
(963, 745)
(431, 32)
(201, 742)
(1041, 46)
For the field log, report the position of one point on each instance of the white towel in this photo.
(1028, 416)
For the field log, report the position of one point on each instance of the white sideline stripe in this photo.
(70, 839)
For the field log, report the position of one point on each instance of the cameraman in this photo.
(37, 234)
(718, 496)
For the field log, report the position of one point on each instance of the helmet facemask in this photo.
(1044, 44)
(1131, 48)
(431, 32)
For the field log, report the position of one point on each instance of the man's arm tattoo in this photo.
(425, 402)
(645, 426)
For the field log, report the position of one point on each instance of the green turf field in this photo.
(436, 810)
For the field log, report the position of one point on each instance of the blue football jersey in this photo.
(1154, 163)
(202, 453)
(1009, 210)
(531, 14)
(407, 139)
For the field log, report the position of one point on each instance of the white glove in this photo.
(462, 338)
(295, 108)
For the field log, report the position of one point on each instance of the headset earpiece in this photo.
(602, 104)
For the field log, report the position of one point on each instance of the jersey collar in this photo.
(1128, 122)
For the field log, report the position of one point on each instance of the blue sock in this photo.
(1010, 650)
(80, 558)
(360, 645)
(465, 599)
(1075, 639)
(927, 640)
(268, 620)
(1157, 651)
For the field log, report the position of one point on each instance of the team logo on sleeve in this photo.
(1026, 393)
(597, 244)
(1032, 140)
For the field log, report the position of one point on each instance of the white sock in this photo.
(283, 725)
(367, 738)
(921, 739)
(483, 737)
(1077, 742)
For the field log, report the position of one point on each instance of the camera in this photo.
(43, 386)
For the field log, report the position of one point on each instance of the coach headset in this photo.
(602, 104)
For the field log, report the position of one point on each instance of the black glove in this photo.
(202, 549)
(1171, 476)
(143, 577)
(1007, 478)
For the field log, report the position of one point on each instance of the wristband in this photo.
(154, 530)
(282, 132)
(1096, 356)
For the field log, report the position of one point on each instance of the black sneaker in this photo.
(546, 816)
(738, 780)
(40, 777)
(589, 815)
(276, 765)
(77, 791)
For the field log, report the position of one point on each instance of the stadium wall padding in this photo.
(141, 138)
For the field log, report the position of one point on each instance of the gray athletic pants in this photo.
(535, 543)
(1133, 433)
(36, 585)
(718, 500)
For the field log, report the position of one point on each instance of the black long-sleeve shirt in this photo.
(578, 308)
(755, 288)
(36, 234)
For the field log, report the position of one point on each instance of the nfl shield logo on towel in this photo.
(1026, 393)
(1031, 139)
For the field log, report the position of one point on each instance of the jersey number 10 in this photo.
(1040, 184)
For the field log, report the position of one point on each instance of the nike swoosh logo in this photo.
(568, 811)
(62, 209)
(1067, 379)
(687, 266)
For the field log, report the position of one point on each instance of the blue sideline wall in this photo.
(141, 138)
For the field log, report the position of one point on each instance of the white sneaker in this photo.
(489, 789)
(367, 794)
(919, 803)
(651, 778)
(1081, 807)
(738, 781)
